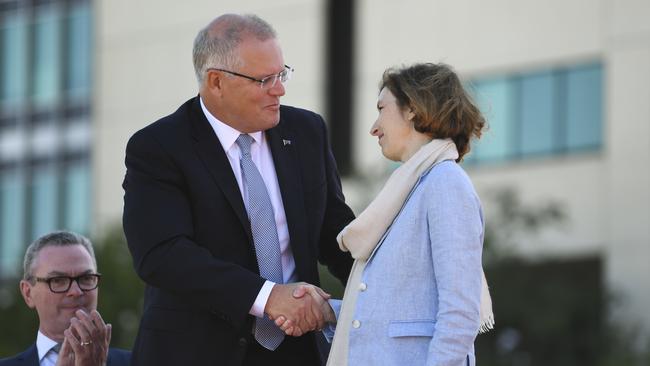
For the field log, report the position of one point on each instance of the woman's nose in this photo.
(374, 130)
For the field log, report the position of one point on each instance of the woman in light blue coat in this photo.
(416, 291)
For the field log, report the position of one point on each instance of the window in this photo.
(12, 214)
(45, 127)
(77, 196)
(584, 107)
(79, 52)
(546, 112)
(497, 105)
(13, 43)
(44, 200)
(47, 55)
(538, 121)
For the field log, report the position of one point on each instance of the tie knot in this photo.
(244, 142)
(56, 348)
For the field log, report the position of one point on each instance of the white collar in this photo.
(226, 134)
(43, 345)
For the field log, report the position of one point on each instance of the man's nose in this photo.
(277, 89)
(74, 289)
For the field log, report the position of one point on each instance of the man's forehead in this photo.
(264, 55)
(63, 260)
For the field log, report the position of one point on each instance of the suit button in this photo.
(362, 286)
(242, 342)
(356, 324)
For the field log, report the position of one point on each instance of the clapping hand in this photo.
(86, 341)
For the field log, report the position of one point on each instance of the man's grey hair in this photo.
(214, 45)
(55, 239)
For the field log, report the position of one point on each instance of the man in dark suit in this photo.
(60, 281)
(229, 202)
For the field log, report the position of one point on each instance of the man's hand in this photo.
(86, 341)
(319, 297)
(305, 313)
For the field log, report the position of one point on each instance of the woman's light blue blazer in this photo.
(419, 298)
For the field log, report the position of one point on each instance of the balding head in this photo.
(215, 45)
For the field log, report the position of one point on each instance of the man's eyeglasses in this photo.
(61, 284)
(267, 82)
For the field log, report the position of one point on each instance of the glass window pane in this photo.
(12, 144)
(44, 200)
(47, 55)
(14, 57)
(77, 136)
(79, 57)
(12, 223)
(77, 197)
(496, 98)
(584, 107)
(45, 140)
(538, 119)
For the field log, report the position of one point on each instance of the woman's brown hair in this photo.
(442, 107)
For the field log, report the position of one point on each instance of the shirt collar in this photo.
(226, 134)
(43, 345)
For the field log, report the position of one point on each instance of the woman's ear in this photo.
(410, 114)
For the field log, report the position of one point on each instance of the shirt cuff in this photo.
(261, 299)
(330, 328)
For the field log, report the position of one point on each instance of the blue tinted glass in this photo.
(79, 57)
(12, 223)
(14, 57)
(495, 98)
(47, 55)
(584, 107)
(538, 119)
(44, 200)
(77, 197)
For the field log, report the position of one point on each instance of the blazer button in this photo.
(362, 286)
(356, 324)
(242, 342)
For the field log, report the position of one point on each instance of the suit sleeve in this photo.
(159, 230)
(337, 215)
(455, 231)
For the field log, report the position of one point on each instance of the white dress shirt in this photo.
(44, 346)
(261, 156)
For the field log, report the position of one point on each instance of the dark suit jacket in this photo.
(116, 357)
(190, 238)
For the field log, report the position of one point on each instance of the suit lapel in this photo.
(215, 160)
(28, 357)
(283, 148)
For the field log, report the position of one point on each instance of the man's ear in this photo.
(214, 82)
(26, 291)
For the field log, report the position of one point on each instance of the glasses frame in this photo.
(70, 279)
(287, 71)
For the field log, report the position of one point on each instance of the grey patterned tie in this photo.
(265, 237)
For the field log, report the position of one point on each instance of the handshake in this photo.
(298, 308)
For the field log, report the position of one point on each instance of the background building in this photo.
(565, 86)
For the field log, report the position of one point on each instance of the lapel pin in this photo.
(286, 142)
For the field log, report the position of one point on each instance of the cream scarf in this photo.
(363, 234)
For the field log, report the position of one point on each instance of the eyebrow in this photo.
(57, 273)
